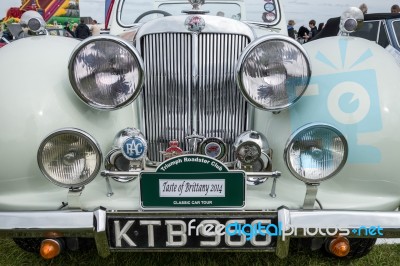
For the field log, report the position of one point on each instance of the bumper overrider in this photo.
(138, 231)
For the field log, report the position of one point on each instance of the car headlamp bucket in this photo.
(350, 20)
(33, 20)
(106, 72)
(316, 152)
(69, 158)
(273, 72)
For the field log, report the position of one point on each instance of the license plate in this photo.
(192, 231)
(193, 190)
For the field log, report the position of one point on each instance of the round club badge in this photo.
(134, 148)
(195, 23)
(213, 147)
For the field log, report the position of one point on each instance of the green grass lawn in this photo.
(10, 254)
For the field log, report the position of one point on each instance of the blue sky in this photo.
(299, 10)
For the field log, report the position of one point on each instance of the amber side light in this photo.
(50, 248)
(339, 246)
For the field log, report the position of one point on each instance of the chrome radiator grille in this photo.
(190, 88)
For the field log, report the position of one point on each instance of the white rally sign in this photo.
(192, 188)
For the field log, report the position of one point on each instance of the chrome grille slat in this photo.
(171, 89)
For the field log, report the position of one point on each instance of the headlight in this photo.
(273, 72)
(106, 72)
(69, 158)
(316, 152)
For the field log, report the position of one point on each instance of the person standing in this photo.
(301, 34)
(320, 27)
(364, 8)
(313, 30)
(290, 29)
(94, 28)
(68, 31)
(82, 31)
(395, 9)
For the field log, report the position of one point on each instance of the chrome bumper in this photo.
(57, 223)
(93, 224)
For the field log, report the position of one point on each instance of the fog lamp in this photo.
(69, 158)
(316, 152)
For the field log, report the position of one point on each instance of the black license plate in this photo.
(190, 231)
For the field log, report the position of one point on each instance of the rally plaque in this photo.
(192, 181)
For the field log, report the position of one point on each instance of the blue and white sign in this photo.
(346, 97)
(134, 148)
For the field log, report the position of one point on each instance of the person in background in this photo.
(82, 31)
(303, 31)
(74, 26)
(364, 8)
(395, 9)
(68, 31)
(290, 29)
(220, 14)
(313, 30)
(94, 28)
(320, 27)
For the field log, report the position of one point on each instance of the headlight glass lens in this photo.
(69, 158)
(273, 72)
(316, 152)
(106, 72)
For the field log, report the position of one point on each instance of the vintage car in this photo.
(199, 127)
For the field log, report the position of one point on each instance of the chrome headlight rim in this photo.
(249, 48)
(80, 133)
(309, 127)
(126, 45)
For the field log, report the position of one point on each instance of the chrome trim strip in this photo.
(193, 97)
(100, 233)
(389, 221)
(393, 34)
(65, 223)
(94, 224)
(134, 174)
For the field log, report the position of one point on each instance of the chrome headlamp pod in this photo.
(244, 56)
(350, 20)
(113, 161)
(126, 46)
(307, 128)
(33, 21)
(258, 144)
(80, 133)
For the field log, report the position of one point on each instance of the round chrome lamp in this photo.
(315, 153)
(69, 158)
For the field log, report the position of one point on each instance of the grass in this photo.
(10, 254)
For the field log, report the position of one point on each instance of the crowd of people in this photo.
(305, 34)
(81, 30)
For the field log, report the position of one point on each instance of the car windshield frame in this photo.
(250, 10)
(396, 34)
